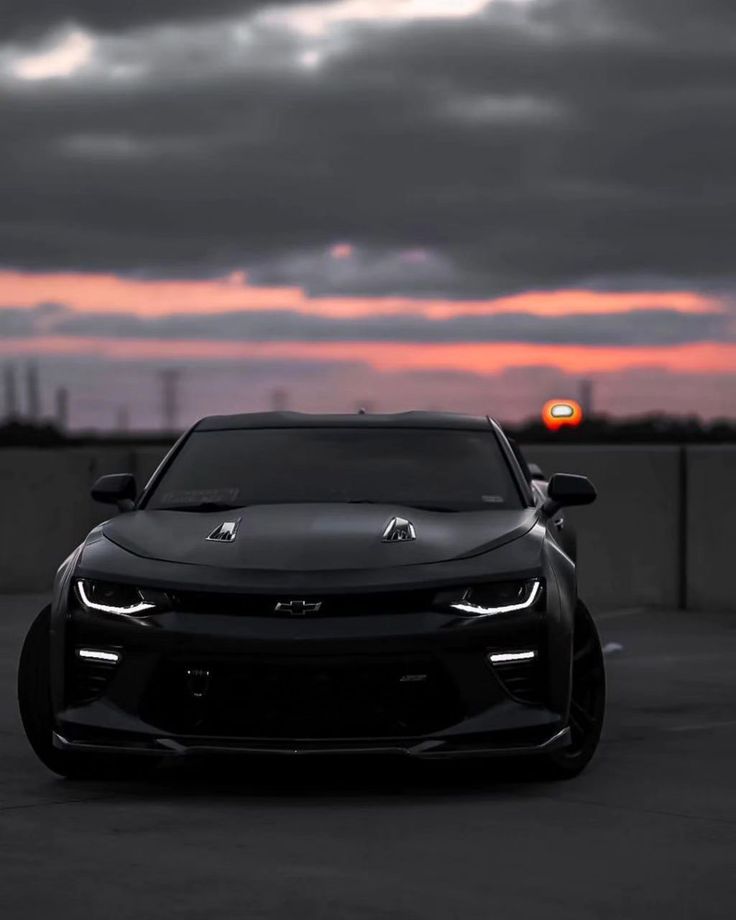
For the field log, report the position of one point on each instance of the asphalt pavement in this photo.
(648, 831)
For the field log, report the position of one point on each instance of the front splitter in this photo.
(427, 749)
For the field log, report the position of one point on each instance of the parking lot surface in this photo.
(648, 831)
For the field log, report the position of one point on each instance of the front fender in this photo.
(59, 619)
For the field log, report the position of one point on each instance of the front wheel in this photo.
(587, 701)
(34, 702)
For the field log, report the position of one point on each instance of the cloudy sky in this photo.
(465, 204)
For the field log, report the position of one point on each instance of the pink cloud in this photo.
(341, 251)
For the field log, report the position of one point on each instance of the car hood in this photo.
(314, 537)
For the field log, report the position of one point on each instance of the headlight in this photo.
(489, 599)
(125, 600)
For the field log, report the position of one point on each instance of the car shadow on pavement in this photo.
(317, 778)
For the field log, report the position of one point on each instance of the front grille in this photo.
(330, 697)
(363, 604)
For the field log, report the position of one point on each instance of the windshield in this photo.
(450, 470)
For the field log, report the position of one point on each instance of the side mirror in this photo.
(117, 489)
(535, 470)
(567, 489)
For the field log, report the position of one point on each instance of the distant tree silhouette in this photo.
(649, 429)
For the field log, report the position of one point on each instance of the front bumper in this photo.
(330, 685)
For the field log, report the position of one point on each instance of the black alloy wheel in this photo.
(587, 700)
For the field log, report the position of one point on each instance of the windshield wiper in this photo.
(405, 504)
(201, 506)
(227, 506)
(427, 507)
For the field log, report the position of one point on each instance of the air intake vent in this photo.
(523, 680)
(89, 680)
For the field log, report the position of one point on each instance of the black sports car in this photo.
(289, 583)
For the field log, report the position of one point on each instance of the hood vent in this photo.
(399, 530)
(225, 532)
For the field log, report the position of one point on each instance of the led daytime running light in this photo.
(509, 608)
(109, 608)
(96, 654)
(508, 657)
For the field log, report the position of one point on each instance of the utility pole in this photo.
(585, 393)
(11, 393)
(170, 380)
(62, 408)
(33, 409)
(279, 399)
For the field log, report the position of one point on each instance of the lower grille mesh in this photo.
(345, 697)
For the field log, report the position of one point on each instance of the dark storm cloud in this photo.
(644, 327)
(687, 17)
(25, 19)
(534, 145)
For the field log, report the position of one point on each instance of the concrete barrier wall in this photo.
(628, 541)
(46, 509)
(659, 535)
(711, 514)
(44, 512)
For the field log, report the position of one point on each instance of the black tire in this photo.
(587, 702)
(34, 702)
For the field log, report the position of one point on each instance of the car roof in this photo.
(447, 420)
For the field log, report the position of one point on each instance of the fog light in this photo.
(97, 654)
(504, 657)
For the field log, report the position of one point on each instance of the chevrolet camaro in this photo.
(322, 584)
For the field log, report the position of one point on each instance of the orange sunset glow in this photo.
(486, 358)
(149, 297)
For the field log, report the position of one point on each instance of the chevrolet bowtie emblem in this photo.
(297, 608)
